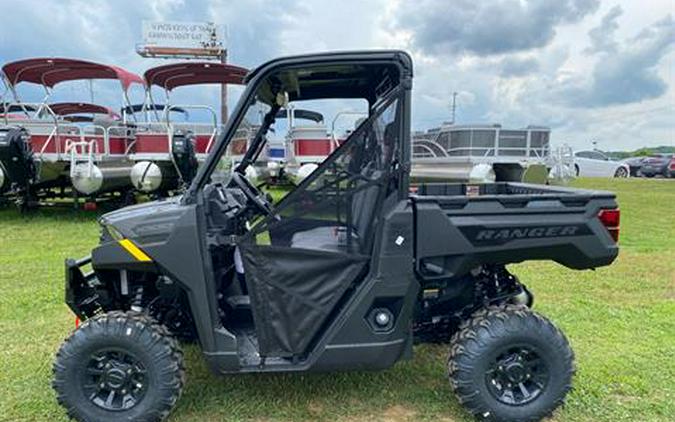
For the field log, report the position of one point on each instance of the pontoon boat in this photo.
(40, 149)
(481, 153)
(166, 151)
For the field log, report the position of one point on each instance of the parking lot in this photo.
(618, 319)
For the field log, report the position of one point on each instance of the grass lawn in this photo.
(619, 319)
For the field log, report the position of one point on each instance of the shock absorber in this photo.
(137, 301)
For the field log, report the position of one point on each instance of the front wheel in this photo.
(119, 366)
(621, 172)
(508, 363)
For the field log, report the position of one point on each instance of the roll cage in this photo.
(309, 253)
(366, 75)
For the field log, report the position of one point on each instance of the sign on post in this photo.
(186, 40)
(182, 39)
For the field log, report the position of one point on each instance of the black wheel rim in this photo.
(517, 376)
(114, 380)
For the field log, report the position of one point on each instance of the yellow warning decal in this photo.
(134, 250)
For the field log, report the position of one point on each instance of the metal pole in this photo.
(223, 92)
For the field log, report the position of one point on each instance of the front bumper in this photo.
(81, 297)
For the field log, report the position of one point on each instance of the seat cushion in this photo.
(325, 238)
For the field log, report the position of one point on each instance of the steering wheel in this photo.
(253, 194)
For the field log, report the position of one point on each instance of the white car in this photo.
(597, 164)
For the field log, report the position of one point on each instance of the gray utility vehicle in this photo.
(347, 271)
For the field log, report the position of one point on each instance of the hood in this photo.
(148, 222)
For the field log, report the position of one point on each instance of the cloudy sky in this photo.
(591, 70)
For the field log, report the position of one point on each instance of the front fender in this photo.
(122, 255)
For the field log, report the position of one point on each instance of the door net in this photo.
(299, 265)
(335, 207)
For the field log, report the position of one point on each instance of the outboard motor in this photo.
(18, 166)
(183, 150)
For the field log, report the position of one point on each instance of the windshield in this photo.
(243, 136)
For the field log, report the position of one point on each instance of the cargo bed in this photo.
(461, 225)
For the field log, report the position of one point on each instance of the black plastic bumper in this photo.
(81, 297)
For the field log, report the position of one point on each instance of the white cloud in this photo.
(487, 28)
(513, 62)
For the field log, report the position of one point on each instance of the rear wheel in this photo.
(508, 363)
(119, 366)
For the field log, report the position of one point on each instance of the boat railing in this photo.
(130, 137)
(37, 110)
(428, 152)
(194, 126)
(92, 133)
(212, 113)
(217, 130)
(151, 127)
(520, 152)
(125, 132)
(434, 150)
(52, 135)
(45, 117)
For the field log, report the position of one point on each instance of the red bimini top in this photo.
(51, 71)
(174, 75)
(65, 109)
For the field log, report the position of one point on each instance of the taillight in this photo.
(672, 164)
(611, 220)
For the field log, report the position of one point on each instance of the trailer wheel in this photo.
(508, 363)
(119, 366)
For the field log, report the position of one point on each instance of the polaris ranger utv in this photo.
(347, 271)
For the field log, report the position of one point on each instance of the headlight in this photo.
(111, 232)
